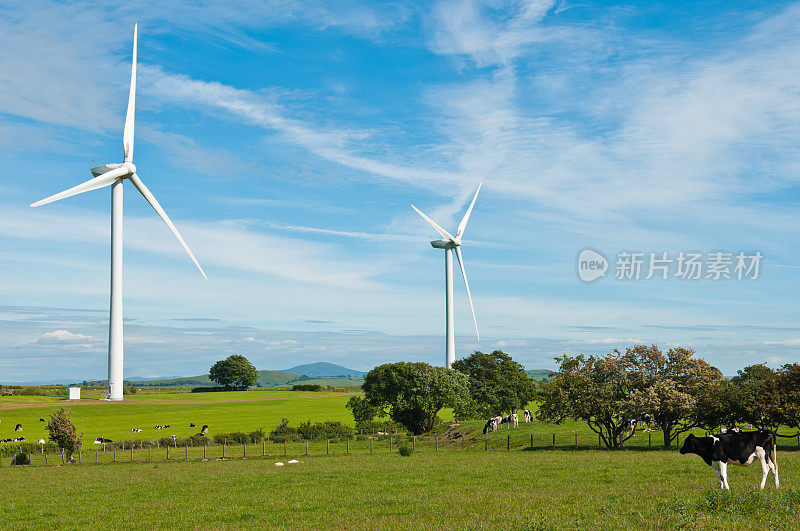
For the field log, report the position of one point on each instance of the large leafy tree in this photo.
(665, 386)
(413, 393)
(497, 383)
(790, 387)
(233, 371)
(594, 390)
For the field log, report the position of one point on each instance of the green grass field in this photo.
(460, 485)
(457, 489)
(222, 411)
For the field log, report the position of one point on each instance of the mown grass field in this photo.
(458, 489)
(222, 411)
(247, 411)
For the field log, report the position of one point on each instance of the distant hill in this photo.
(322, 369)
(538, 374)
(265, 379)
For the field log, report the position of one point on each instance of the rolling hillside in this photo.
(538, 374)
(322, 370)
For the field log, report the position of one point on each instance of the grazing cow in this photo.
(192, 425)
(512, 419)
(737, 448)
(102, 440)
(18, 428)
(41, 420)
(204, 430)
(528, 415)
(19, 439)
(491, 424)
(166, 426)
(136, 430)
(41, 441)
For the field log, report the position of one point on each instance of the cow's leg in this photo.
(772, 461)
(764, 466)
(723, 472)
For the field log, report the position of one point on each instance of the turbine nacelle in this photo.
(97, 171)
(444, 244)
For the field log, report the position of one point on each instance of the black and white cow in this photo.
(136, 430)
(511, 420)
(191, 425)
(18, 428)
(102, 440)
(204, 430)
(736, 448)
(491, 424)
(528, 415)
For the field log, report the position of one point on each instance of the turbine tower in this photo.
(449, 243)
(114, 175)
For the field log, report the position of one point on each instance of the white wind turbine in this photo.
(114, 175)
(449, 243)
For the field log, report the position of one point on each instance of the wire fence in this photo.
(494, 442)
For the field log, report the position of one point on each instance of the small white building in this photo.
(74, 393)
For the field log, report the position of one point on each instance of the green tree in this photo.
(497, 384)
(665, 386)
(594, 390)
(62, 431)
(414, 393)
(234, 371)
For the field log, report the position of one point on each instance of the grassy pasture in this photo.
(249, 410)
(222, 411)
(530, 490)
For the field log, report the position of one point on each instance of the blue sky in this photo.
(287, 140)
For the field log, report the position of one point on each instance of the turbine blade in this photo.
(92, 184)
(471, 307)
(160, 211)
(435, 225)
(463, 224)
(127, 136)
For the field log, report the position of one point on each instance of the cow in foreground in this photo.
(528, 415)
(491, 424)
(736, 448)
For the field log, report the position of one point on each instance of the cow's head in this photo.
(691, 445)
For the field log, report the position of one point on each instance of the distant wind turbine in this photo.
(114, 175)
(449, 243)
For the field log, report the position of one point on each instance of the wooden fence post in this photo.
(80, 460)
(43, 453)
(131, 453)
(347, 448)
(148, 452)
(576, 441)
(224, 443)
(95, 457)
(650, 439)
(390, 444)
(263, 448)
(328, 446)
(554, 441)
(204, 450)
(284, 447)
(370, 445)
(114, 457)
(306, 447)
(437, 443)
(508, 444)
(187, 452)
(485, 443)
(62, 456)
(167, 452)
(244, 449)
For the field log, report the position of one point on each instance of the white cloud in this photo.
(64, 336)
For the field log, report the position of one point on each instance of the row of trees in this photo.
(412, 394)
(673, 391)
